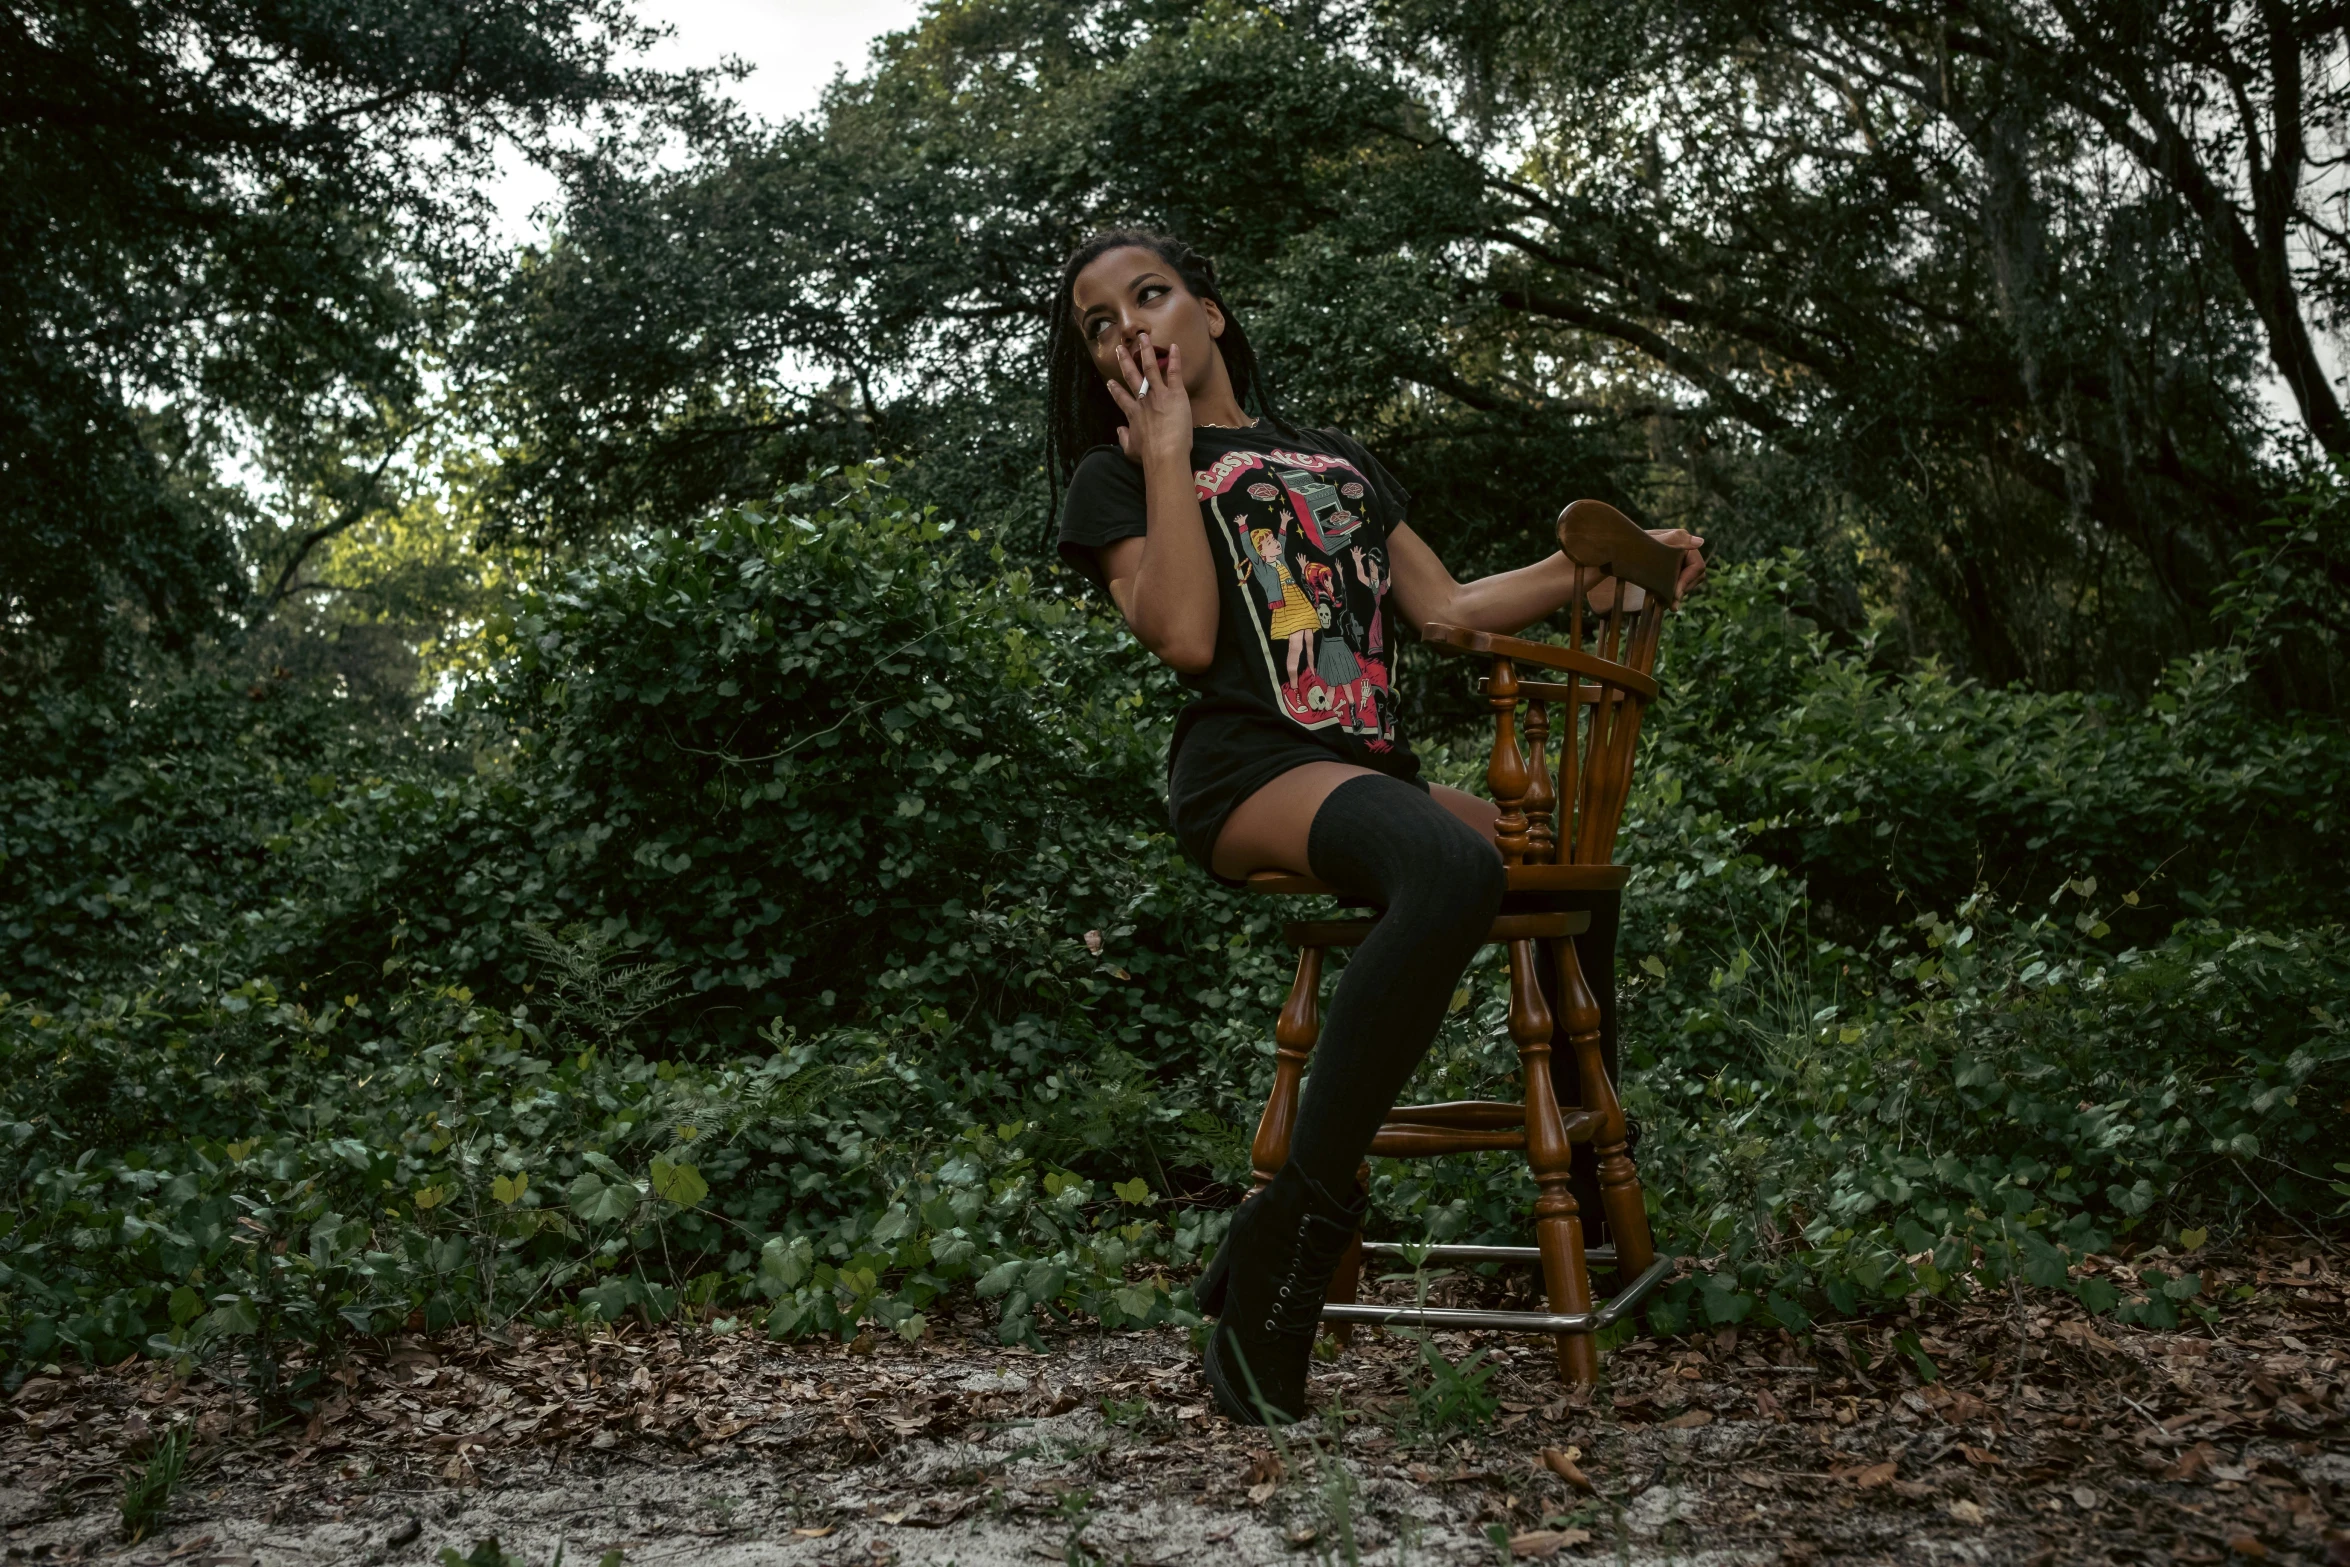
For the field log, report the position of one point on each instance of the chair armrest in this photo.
(1491, 644)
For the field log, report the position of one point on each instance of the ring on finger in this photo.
(1146, 388)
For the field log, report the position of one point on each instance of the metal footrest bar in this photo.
(1452, 1317)
(1597, 1256)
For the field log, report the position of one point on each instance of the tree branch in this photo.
(2164, 149)
(1656, 346)
(344, 521)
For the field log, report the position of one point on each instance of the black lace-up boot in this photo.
(1266, 1285)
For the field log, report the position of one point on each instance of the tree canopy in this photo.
(232, 237)
(2011, 309)
(2015, 316)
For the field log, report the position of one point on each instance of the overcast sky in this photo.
(793, 46)
(796, 45)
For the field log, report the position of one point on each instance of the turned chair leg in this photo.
(1346, 1283)
(1558, 1222)
(1293, 1040)
(1619, 1182)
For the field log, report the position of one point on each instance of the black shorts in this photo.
(1223, 757)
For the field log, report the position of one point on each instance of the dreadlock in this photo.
(1079, 414)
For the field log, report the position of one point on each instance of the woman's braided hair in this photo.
(1079, 414)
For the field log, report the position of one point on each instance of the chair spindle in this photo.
(1541, 844)
(1505, 773)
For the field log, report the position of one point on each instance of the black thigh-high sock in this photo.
(1439, 884)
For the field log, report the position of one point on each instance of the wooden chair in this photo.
(1598, 685)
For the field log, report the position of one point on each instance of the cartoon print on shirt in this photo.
(1371, 571)
(1294, 617)
(1313, 589)
(1334, 658)
(1319, 506)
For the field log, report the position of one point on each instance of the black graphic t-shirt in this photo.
(1298, 526)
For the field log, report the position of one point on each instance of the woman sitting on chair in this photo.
(1207, 525)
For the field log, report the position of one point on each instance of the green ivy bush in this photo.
(1887, 792)
(261, 1173)
(920, 891)
(787, 934)
(2001, 1096)
(133, 821)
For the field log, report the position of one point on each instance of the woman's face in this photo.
(1125, 294)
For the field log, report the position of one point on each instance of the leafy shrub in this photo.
(2005, 1098)
(130, 823)
(1880, 788)
(1850, 1096)
(222, 1155)
(274, 1176)
(786, 935)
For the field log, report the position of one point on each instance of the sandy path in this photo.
(2042, 1438)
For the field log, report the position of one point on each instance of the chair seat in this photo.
(1522, 878)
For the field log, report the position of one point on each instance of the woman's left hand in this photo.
(1692, 550)
(1602, 594)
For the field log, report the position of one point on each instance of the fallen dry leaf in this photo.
(1542, 1542)
(2076, 1331)
(1962, 1409)
(1561, 1462)
(813, 1534)
(2191, 1462)
(1873, 1475)
(403, 1412)
(1688, 1420)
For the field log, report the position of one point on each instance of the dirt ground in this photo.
(2018, 1432)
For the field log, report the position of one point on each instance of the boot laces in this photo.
(1297, 1304)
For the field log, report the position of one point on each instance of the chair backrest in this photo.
(1601, 680)
(1597, 736)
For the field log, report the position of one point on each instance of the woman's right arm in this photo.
(1164, 583)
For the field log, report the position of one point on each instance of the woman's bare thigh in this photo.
(1477, 811)
(1268, 830)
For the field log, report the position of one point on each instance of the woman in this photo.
(1180, 501)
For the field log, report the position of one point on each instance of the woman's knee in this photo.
(1389, 840)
